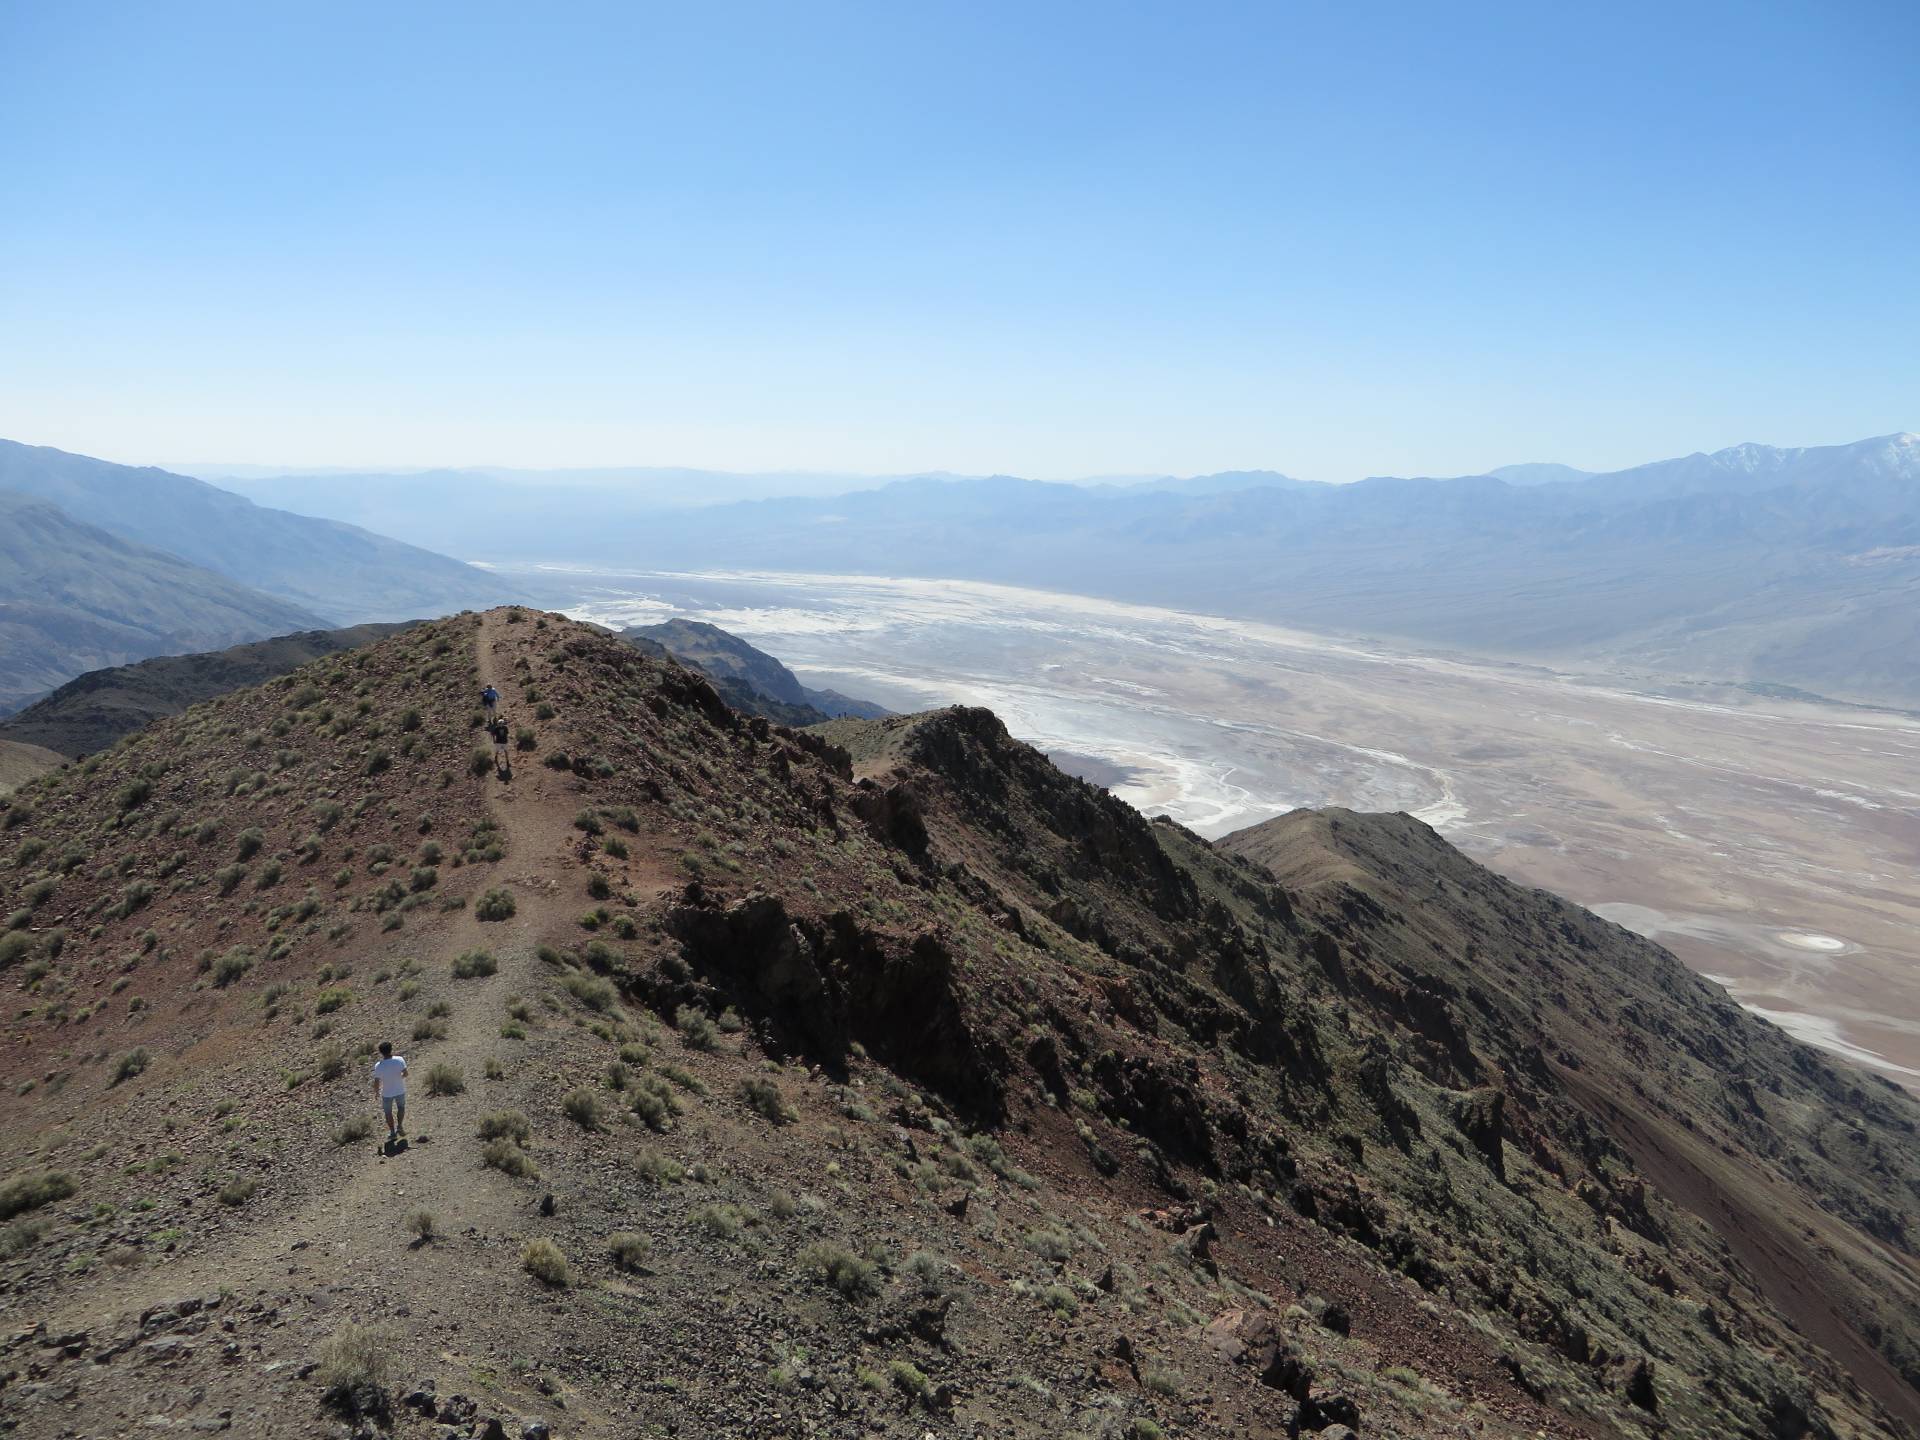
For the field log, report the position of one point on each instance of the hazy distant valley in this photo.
(1770, 844)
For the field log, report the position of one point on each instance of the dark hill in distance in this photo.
(748, 678)
(340, 572)
(91, 712)
(875, 1079)
(74, 597)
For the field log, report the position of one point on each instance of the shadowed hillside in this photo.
(99, 707)
(874, 1080)
(74, 598)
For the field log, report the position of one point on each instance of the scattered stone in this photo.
(547, 1205)
(1336, 1319)
(420, 1397)
(163, 1350)
(1338, 1432)
(1640, 1386)
(458, 1410)
(1324, 1408)
(1254, 1340)
(535, 1430)
(958, 1208)
(1195, 1246)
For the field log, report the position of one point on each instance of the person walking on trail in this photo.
(489, 698)
(390, 1084)
(498, 730)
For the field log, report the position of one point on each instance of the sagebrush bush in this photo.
(237, 1192)
(696, 1030)
(423, 1224)
(629, 1249)
(352, 1130)
(29, 1192)
(591, 991)
(582, 1106)
(446, 1080)
(840, 1269)
(131, 1064)
(356, 1361)
(473, 964)
(495, 904)
(509, 1159)
(542, 1260)
(763, 1097)
(506, 1125)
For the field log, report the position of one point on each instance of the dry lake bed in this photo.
(1772, 845)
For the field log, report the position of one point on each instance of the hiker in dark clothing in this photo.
(498, 730)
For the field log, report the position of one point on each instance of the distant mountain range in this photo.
(102, 564)
(1790, 568)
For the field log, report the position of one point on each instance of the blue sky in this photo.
(1334, 239)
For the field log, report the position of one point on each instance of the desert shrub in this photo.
(542, 1260)
(509, 1159)
(506, 1125)
(909, 1379)
(352, 1130)
(231, 966)
(685, 1079)
(1049, 1243)
(494, 1070)
(629, 1249)
(582, 1106)
(495, 904)
(590, 990)
(331, 999)
(559, 760)
(446, 1080)
(763, 1097)
(14, 947)
(840, 1269)
(424, 877)
(598, 887)
(237, 1192)
(587, 821)
(723, 1221)
(409, 720)
(228, 877)
(131, 1064)
(29, 1192)
(544, 711)
(696, 1030)
(331, 1063)
(524, 739)
(652, 1103)
(355, 1363)
(660, 1169)
(379, 762)
(247, 844)
(480, 762)
(423, 1224)
(473, 964)
(132, 795)
(327, 814)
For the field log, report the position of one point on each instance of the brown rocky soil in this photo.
(941, 1096)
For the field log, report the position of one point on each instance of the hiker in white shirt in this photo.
(390, 1084)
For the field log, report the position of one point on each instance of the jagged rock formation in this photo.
(878, 1079)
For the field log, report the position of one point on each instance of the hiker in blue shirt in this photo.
(489, 698)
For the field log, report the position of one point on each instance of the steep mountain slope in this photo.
(20, 763)
(890, 1083)
(74, 598)
(747, 678)
(343, 573)
(93, 711)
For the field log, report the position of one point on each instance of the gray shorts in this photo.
(391, 1103)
